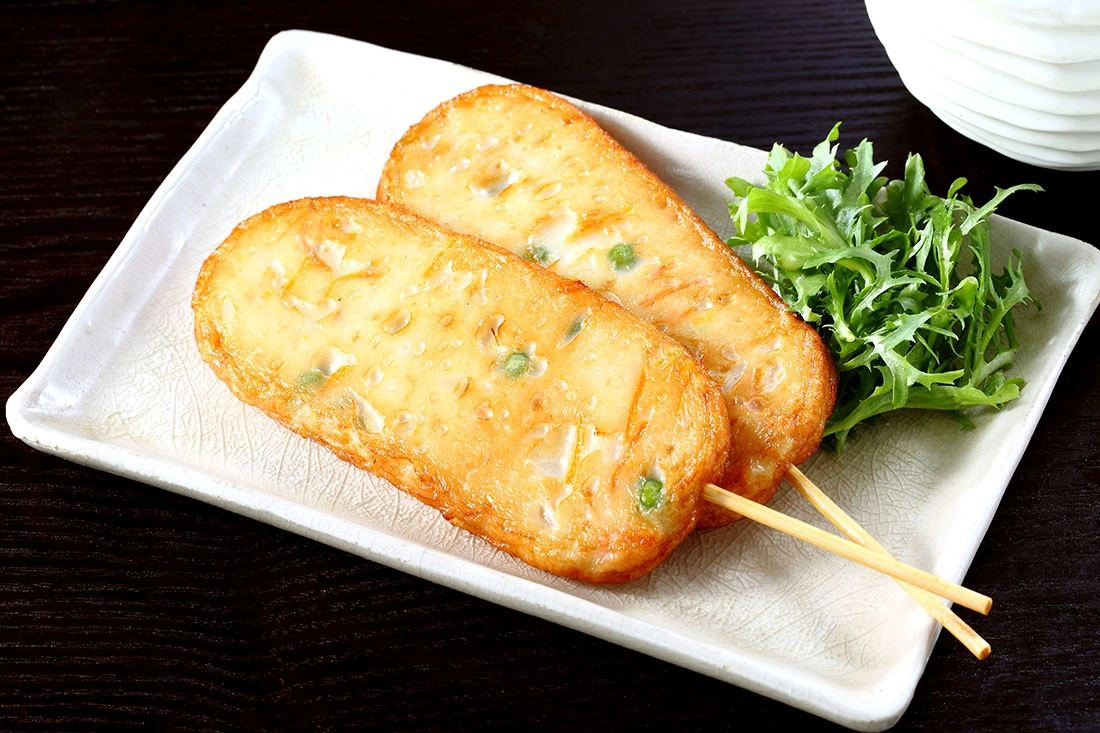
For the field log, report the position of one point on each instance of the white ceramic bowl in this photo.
(1020, 76)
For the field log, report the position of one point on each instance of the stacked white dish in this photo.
(1020, 76)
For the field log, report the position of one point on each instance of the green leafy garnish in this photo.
(622, 258)
(898, 282)
(650, 491)
(309, 381)
(516, 364)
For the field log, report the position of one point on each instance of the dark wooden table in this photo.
(122, 604)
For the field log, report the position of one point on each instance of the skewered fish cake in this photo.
(524, 169)
(522, 405)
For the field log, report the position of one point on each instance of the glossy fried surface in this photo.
(523, 406)
(524, 169)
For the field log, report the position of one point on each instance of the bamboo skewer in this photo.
(978, 646)
(880, 561)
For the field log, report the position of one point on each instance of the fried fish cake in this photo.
(521, 405)
(528, 171)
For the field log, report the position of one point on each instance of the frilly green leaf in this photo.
(877, 267)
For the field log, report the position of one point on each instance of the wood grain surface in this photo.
(123, 604)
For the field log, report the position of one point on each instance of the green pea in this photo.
(539, 254)
(650, 492)
(622, 258)
(516, 364)
(309, 381)
(574, 328)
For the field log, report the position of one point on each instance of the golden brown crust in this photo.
(547, 157)
(363, 327)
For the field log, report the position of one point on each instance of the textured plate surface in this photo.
(123, 389)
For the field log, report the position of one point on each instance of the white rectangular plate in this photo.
(123, 389)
